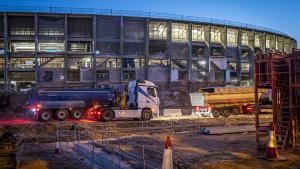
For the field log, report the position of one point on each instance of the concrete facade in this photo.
(65, 48)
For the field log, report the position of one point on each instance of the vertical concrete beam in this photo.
(264, 49)
(36, 51)
(207, 54)
(238, 56)
(169, 48)
(251, 61)
(94, 50)
(189, 59)
(5, 34)
(291, 44)
(147, 49)
(273, 42)
(121, 46)
(283, 44)
(225, 41)
(66, 49)
(276, 42)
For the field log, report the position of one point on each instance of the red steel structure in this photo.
(281, 73)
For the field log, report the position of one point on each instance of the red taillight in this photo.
(197, 108)
(248, 109)
(34, 108)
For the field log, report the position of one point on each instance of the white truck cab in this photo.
(142, 102)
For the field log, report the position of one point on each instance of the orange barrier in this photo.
(168, 157)
(271, 152)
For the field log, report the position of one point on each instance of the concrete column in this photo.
(291, 44)
(265, 43)
(238, 56)
(147, 49)
(189, 60)
(276, 43)
(283, 43)
(251, 62)
(5, 34)
(207, 54)
(225, 41)
(169, 48)
(94, 50)
(121, 46)
(36, 50)
(66, 49)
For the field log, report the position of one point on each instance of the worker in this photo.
(123, 101)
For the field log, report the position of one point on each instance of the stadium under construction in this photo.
(65, 47)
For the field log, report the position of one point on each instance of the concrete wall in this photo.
(158, 74)
(58, 77)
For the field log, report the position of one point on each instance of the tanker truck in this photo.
(141, 102)
(226, 101)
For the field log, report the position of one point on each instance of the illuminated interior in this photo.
(51, 47)
(179, 32)
(158, 30)
(198, 33)
(22, 46)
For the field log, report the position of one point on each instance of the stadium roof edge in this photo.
(129, 13)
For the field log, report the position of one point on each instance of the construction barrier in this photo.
(57, 148)
(271, 152)
(167, 157)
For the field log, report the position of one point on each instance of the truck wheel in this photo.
(236, 111)
(215, 113)
(226, 112)
(61, 114)
(107, 115)
(77, 114)
(45, 115)
(146, 115)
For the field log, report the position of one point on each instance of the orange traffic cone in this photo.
(167, 158)
(271, 152)
(57, 148)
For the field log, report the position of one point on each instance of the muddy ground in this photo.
(46, 152)
(230, 151)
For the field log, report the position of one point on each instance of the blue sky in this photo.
(282, 15)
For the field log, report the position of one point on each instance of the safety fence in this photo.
(106, 145)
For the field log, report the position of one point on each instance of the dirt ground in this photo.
(46, 152)
(230, 151)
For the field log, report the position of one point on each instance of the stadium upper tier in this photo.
(141, 14)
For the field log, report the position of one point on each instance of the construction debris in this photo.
(8, 151)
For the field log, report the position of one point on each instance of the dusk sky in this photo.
(282, 15)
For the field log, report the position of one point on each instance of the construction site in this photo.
(97, 88)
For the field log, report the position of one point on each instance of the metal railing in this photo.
(105, 145)
(129, 13)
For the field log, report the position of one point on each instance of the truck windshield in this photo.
(151, 91)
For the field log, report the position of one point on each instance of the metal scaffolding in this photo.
(280, 73)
